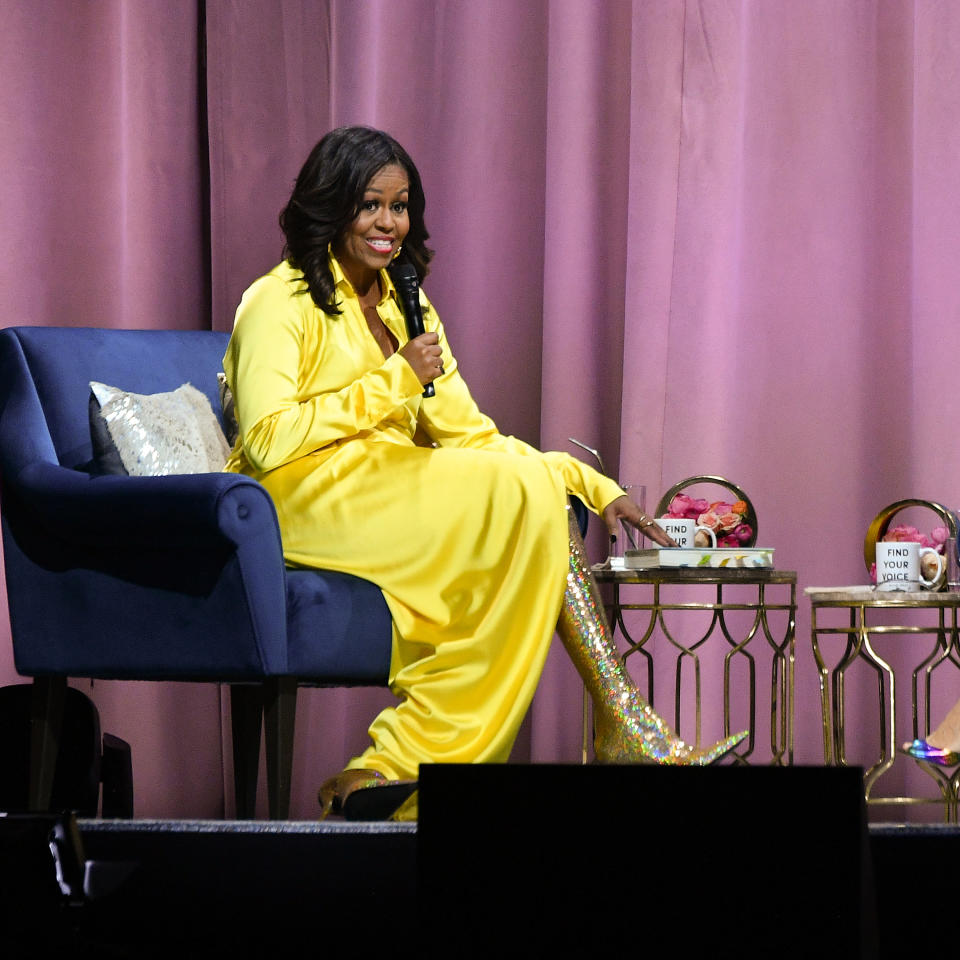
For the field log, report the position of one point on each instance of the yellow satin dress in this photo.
(467, 539)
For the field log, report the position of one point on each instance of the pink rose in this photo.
(679, 505)
(729, 520)
(903, 534)
(743, 532)
(721, 508)
(709, 519)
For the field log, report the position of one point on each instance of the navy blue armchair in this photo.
(158, 578)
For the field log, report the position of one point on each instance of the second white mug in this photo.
(684, 531)
(898, 566)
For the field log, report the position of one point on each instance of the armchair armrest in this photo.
(201, 550)
(123, 512)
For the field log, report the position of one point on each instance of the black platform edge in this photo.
(929, 830)
(332, 828)
(100, 824)
(339, 827)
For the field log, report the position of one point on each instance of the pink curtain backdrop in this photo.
(714, 237)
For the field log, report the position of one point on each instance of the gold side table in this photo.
(758, 604)
(865, 620)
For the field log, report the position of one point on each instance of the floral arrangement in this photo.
(726, 520)
(904, 534)
(901, 533)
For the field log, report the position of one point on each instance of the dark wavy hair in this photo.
(327, 198)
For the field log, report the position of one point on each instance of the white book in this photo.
(750, 558)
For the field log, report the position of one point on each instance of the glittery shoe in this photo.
(363, 795)
(333, 793)
(921, 750)
(628, 730)
(382, 801)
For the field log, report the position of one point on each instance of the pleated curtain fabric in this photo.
(702, 237)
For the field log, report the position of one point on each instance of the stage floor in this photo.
(740, 869)
(240, 888)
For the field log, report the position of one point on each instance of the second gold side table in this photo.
(758, 606)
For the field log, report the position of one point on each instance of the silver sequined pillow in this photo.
(161, 433)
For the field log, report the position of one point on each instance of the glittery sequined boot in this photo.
(627, 728)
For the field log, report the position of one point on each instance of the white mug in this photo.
(898, 566)
(683, 531)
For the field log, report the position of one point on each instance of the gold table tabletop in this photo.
(871, 596)
(694, 575)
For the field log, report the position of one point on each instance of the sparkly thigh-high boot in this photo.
(627, 728)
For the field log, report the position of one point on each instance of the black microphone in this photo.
(404, 277)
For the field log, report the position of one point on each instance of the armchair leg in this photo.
(279, 709)
(116, 774)
(246, 721)
(46, 719)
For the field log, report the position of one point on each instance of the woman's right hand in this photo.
(624, 509)
(423, 353)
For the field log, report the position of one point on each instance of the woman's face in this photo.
(374, 237)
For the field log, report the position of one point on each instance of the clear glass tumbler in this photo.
(628, 537)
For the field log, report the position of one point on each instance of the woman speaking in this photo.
(466, 531)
